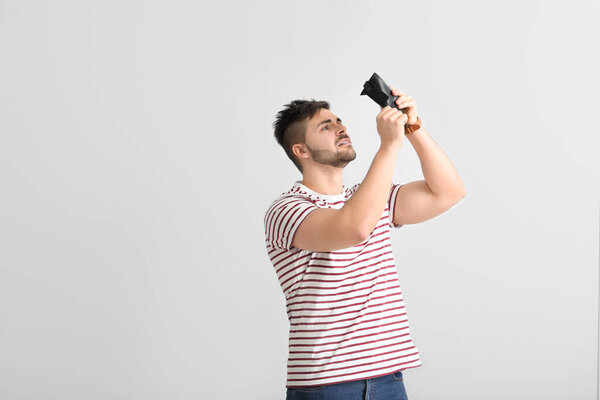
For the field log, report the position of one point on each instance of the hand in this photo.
(406, 104)
(390, 126)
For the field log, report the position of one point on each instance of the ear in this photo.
(300, 151)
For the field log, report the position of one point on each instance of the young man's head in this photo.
(310, 133)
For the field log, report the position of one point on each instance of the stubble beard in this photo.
(336, 159)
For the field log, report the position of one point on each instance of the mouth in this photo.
(344, 142)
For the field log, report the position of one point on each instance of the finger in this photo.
(384, 111)
(403, 98)
(400, 118)
(390, 110)
(395, 91)
(407, 103)
(396, 115)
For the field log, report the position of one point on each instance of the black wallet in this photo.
(379, 91)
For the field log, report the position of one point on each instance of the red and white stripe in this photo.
(347, 314)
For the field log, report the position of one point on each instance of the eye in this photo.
(326, 126)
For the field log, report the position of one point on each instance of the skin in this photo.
(322, 159)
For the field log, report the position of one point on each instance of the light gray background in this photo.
(137, 159)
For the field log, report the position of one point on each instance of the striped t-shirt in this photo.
(346, 311)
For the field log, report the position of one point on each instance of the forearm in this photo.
(440, 174)
(367, 204)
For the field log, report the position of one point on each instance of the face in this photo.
(324, 134)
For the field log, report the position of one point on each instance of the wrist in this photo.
(410, 128)
(387, 148)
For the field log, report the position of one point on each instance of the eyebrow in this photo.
(328, 120)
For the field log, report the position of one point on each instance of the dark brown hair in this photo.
(291, 123)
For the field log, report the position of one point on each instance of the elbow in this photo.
(460, 194)
(454, 198)
(458, 199)
(353, 228)
(362, 235)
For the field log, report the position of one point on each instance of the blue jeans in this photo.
(387, 387)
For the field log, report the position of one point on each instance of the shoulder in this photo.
(288, 201)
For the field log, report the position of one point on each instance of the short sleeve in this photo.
(282, 219)
(392, 204)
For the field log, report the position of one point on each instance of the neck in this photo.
(327, 183)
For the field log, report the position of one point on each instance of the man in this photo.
(331, 249)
